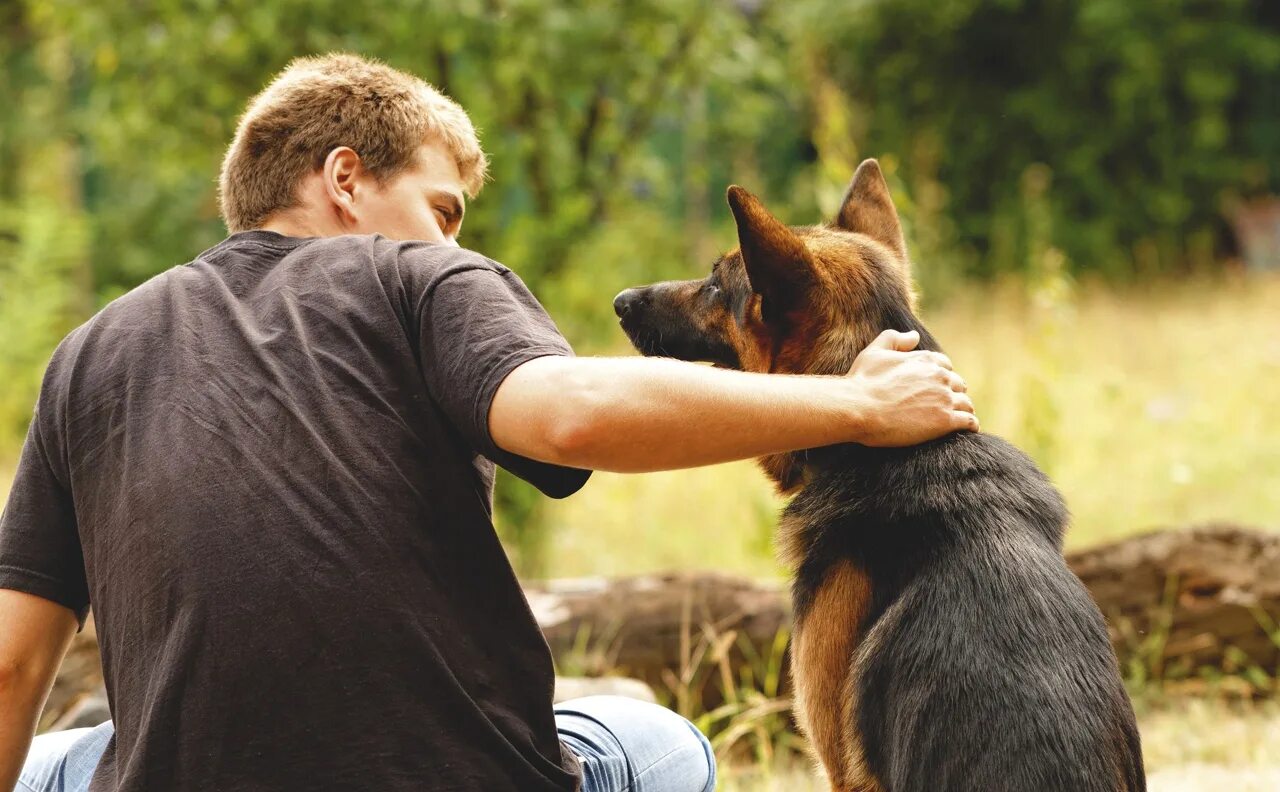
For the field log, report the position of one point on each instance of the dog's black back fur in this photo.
(986, 665)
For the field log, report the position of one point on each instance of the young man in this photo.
(270, 471)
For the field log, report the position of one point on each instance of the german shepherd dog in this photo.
(941, 643)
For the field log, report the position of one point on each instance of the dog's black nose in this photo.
(625, 301)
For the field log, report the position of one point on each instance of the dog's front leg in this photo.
(822, 652)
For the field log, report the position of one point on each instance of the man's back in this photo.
(273, 458)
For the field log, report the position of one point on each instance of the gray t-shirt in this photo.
(270, 473)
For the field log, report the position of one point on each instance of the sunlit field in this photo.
(1150, 407)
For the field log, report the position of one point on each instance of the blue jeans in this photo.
(624, 745)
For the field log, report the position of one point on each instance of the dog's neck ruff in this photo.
(813, 462)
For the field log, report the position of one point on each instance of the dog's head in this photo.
(796, 300)
(792, 300)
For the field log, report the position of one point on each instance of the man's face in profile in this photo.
(425, 201)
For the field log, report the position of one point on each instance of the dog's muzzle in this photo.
(626, 301)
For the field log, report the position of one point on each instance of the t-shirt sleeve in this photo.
(40, 550)
(476, 326)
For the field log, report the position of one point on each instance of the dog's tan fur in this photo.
(825, 693)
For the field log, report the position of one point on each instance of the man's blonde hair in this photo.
(318, 104)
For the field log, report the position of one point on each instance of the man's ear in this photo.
(341, 174)
(868, 209)
(777, 262)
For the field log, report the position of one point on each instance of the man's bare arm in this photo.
(34, 636)
(642, 414)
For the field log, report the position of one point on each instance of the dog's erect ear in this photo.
(778, 263)
(868, 208)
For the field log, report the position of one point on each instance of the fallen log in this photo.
(686, 634)
(1176, 602)
(1180, 601)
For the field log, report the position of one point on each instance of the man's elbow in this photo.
(565, 411)
(576, 436)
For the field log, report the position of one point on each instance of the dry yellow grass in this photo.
(1149, 406)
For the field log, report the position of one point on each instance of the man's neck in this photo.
(299, 225)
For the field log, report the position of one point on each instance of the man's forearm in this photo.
(34, 636)
(20, 707)
(643, 414)
(640, 414)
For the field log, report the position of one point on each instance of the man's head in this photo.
(340, 144)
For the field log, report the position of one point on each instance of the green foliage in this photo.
(520, 520)
(35, 243)
(43, 233)
(1152, 115)
(1050, 292)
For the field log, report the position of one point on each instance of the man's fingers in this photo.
(962, 402)
(936, 358)
(958, 384)
(899, 342)
(964, 421)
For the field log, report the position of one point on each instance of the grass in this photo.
(1150, 407)
(1189, 745)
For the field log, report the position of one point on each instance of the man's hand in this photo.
(908, 396)
(34, 635)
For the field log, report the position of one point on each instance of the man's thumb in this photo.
(900, 342)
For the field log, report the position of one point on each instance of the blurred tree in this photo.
(46, 284)
(1149, 114)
